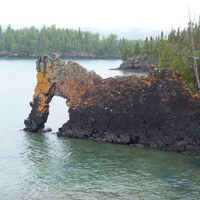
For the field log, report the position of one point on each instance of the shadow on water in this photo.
(195, 162)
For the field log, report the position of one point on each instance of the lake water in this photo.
(36, 167)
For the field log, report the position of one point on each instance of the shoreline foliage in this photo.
(173, 51)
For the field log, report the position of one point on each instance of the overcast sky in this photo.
(101, 14)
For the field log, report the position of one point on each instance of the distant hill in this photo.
(128, 33)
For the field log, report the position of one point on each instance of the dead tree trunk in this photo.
(193, 53)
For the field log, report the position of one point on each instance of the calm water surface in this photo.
(35, 167)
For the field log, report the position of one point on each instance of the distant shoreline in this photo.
(20, 56)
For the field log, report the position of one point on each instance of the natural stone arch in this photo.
(56, 78)
(157, 111)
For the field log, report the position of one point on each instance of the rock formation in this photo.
(156, 111)
(137, 66)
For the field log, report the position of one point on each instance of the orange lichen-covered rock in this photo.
(55, 77)
(157, 111)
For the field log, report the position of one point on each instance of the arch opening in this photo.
(58, 113)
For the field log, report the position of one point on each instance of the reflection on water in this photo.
(46, 157)
(79, 169)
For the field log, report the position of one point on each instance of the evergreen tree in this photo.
(137, 49)
(125, 53)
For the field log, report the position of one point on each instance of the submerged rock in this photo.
(44, 130)
(156, 111)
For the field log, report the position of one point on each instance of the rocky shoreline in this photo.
(157, 111)
(137, 66)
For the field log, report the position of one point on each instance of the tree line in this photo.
(180, 50)
(32, 42)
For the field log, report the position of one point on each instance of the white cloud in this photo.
(154, 14)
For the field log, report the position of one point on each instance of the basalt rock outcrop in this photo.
(137, 66)
(156, 111)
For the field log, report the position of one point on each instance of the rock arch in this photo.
(157, 111)
(56, 78)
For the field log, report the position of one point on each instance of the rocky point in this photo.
(155, 111)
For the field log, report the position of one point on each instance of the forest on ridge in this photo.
(175, 50)
(31, 42)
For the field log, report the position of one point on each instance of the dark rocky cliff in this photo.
(156, 111)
